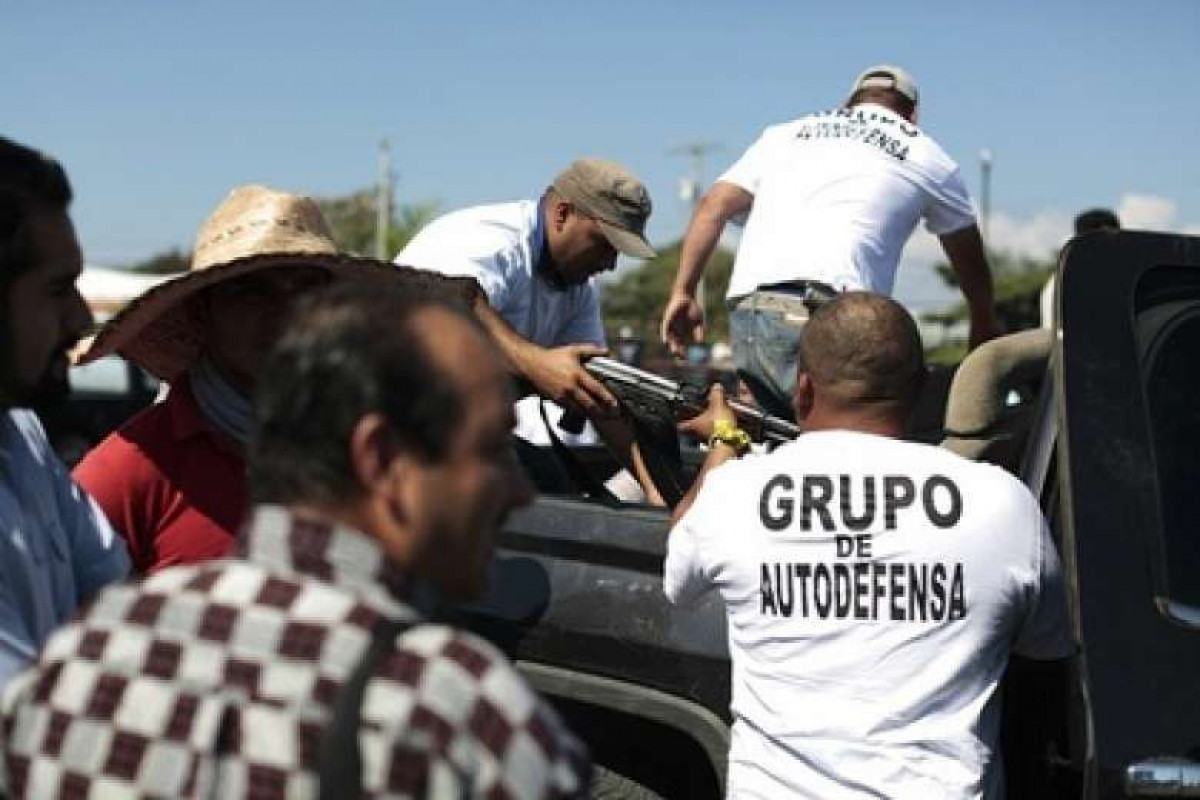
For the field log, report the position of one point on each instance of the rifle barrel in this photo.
(769, 428)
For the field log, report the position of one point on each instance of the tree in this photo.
(1017, 284)
(636, 299)
(352, 219)
(167, 262)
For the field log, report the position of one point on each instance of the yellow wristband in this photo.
(728, 433)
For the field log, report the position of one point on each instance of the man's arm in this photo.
(99, 556)
(701, 427)
(683, 317)
(556, 373)
(964, 249)
(618, 435)
(18, 647)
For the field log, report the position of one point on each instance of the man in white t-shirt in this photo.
(828, 202)
(874, 587)
(535, 261)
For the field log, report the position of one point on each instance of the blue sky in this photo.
(158, 109)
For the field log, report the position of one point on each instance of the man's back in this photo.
(836, 196)
(874, 589)
(218, 680)
(499, 246)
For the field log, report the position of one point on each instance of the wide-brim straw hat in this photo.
(254, 229)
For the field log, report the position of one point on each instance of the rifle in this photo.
(650, 395)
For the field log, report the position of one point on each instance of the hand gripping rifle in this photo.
(651, 396)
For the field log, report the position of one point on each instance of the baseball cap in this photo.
(886, 76)
(614, 197)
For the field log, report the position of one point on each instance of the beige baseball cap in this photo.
(887, 76)
(614, 197)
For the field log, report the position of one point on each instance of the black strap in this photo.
(660, 452)
(340, 766)
(584, 481)
(796, 287)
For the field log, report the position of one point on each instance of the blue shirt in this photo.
(500, 246)
(56, 547)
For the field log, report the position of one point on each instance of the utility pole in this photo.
(383, 200)
(691, 188)
(985, 194)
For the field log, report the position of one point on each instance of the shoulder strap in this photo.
(340, 766)
(584, 481)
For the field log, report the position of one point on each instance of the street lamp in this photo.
(383, 201)
(692, 187)
(985, 192)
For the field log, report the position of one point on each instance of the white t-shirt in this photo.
(1046, 303)
(836, 196)
(532, 428)
(874, 589)
(498, 245)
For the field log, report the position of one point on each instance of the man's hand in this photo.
(964, 248)
(558, 375)
(682, 323)
(701, 426)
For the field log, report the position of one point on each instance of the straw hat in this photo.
(256, 228)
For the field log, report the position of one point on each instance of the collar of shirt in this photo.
(543, 265)
(283, 542)
(187, 421)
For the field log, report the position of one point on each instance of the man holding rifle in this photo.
(535, 261)
(874, 587)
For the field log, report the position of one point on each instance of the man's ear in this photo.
(560, 210)
(373, 452)
(802, 396)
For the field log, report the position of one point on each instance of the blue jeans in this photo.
(765, 329)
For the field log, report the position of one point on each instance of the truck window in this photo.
(1169, 339)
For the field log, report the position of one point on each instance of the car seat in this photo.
(987, 411)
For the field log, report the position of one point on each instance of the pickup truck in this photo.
(1100, 417)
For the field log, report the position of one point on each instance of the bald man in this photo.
(874, 587)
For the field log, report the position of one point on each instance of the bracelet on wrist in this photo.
(729, 434)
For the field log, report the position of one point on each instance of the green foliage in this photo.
(352, 219)
(947, 353)
(1017, 284)
(636, 299)
(167, 262)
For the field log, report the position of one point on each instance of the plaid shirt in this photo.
(218, 679)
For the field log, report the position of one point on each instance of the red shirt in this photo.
(170, 484)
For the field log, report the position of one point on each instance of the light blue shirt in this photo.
(56, 547)
(499, 246)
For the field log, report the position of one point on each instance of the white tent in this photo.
(108, 290)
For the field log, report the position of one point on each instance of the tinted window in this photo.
(1169, 334)
(108, 375)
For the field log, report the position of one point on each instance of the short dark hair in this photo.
(350, 349)
(1096, 219)
(890, 98)
(865, 349)
(29, 180)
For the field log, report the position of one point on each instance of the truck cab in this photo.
(1100, 417)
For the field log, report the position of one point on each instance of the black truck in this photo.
(1100, 417)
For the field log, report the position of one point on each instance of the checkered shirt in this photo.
(218, 679)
